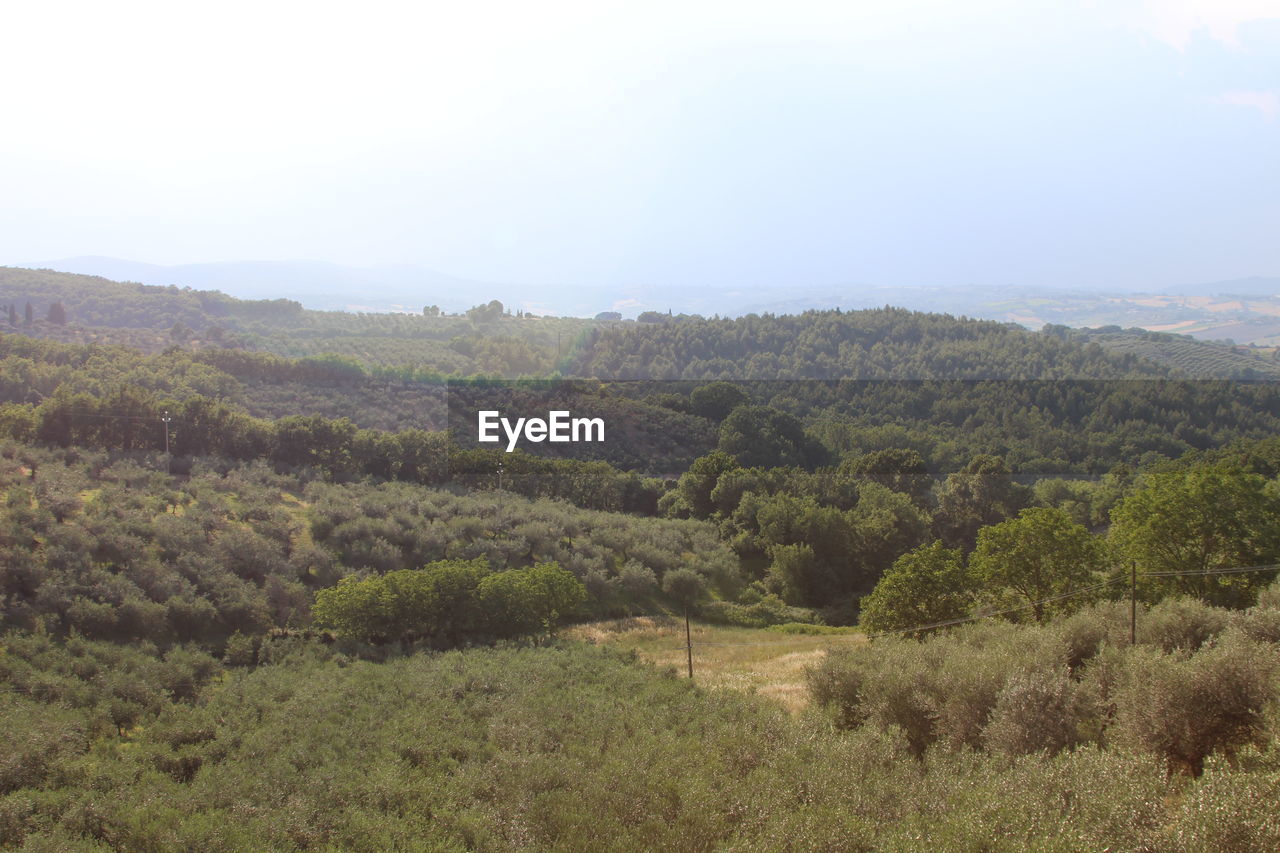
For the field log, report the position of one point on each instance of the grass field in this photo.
(755, 660)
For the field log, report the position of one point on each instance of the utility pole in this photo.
(1133, 602)
(688, 638)
(168, 460)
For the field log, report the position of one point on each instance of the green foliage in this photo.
(574, 748)
(862, 345)
(924, 587)
(896, 469)
(980, 494)
(448, 602)
(1020, 689)
(684, 585)
(768, 611)
(1040, 554)
(716, 400)
(1186, 707)
(1198, 519)
(764, 436)
(696, 486)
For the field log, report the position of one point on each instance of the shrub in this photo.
(1083, 633)
(1186, 706)
(1038, 710)
(1259, 623)
(1181, 623)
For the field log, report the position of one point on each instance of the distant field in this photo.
(754, 660)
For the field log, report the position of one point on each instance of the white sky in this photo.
(618, 144)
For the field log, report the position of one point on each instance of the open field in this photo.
(754, 660)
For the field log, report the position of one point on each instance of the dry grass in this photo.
(754, 660)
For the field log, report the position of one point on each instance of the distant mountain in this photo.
(1252, 286)
(1244, 309)
(316, 284)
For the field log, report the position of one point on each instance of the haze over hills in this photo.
(1245, 310)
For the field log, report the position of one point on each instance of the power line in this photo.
(1233, 571)
(974, 618)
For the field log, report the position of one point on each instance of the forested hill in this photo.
(490, 339)
(888, 343)
(1202, 359)
(94, 301)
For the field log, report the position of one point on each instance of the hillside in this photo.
(560, 748)
(1185, 354)
(254, 599)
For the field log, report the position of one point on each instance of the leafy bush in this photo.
(768, 611)
(1185, 707)
(1037, 710)
(1181, 623)
(449, 601)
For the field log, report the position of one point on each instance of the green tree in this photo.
(923, 587)
(696, 485)
(439, 600)
(685, 586)
(1201, 519)
(900, 470)
(1039, 554)
(798, 576)
(980, 494)
(765, 437)
(716, 400)
(887, 524)
(528, 601)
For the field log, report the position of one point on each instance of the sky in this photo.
(596, 144)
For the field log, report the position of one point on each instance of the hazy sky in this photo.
(622, 144)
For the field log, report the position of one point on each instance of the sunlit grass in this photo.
(754, 660)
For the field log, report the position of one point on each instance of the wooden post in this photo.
(1133, 602)
(688, 638)
(168, 460)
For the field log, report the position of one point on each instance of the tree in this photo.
(887, 525)
(487, 313)
(900, 470)
(696, 485)
(1196, 520)
(1039, 554)
(980, 494)
(766, 437)
(29, 314)
(439, 600)
(527, 601)
(923, 587)
(448, 601)
(797, 575)
(716, 400)
(57, 314)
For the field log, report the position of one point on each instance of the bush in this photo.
(1181, 623)
(1083, 633)
(1259, 623)
(769, 610)
(1036, 711)
(1186, 706)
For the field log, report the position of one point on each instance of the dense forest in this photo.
(495, 341)
(260, 587)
